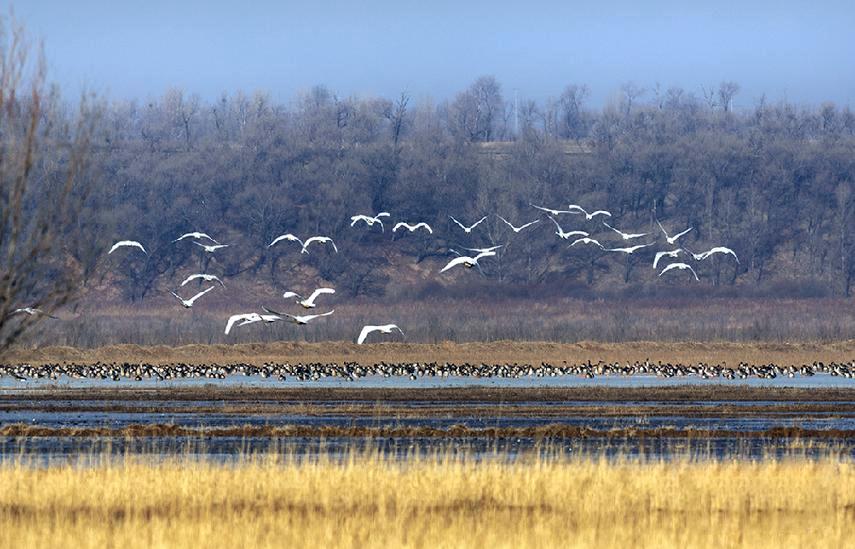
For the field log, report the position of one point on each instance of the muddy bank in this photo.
(435, 409)
(327, 431)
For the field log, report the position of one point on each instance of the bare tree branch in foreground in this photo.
(42, 161)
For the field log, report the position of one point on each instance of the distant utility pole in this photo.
(516, 114)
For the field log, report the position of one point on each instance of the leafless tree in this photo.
(571, 103)
(726, 92)
(39, 198)
(630, 92)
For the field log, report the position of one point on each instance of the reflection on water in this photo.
(816, 381)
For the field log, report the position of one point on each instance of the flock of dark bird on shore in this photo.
(351, 371)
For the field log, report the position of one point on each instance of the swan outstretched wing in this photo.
(678, 235)
(289, 237)
(321, 239)
(364, 333)
(681, 266)
(720, 250)
(660, 255)
(461, 225)
(461, 260)
(242, 317)
(316, 293)
(130, 243)
(200, 294)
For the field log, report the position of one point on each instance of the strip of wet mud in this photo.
(450, 395)
(555, 431)
(442, 410)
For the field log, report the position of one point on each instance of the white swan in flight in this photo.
(681, 266)
(33, 311)
(210, 248)
(187, 303)
(468, 229)
(630, 249)
(672, 254)
(412, 228)
(573, 208)
(384, 329)
(717, 250)
(521, 227)
(196, 235)
(297, 319)
(246, 318)
(320, 240)
(308, 303)
(625, 236)
(566, 236)
(370, 221)
(123, 243)
(466, 261)
(587, 240)
(483, 250)
(288, 236)
(304, 245)
(550, 211)
(205, 277)
(672, 239)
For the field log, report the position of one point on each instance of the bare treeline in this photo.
(773, 182)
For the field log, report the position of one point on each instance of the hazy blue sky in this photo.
(803, 51)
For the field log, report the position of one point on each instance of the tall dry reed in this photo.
(369, 501)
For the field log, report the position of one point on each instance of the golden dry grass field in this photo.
(492, 352)
(367, 501)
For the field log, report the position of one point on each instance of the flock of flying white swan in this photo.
(576, 236)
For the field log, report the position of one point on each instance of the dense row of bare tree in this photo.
(774, 181)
